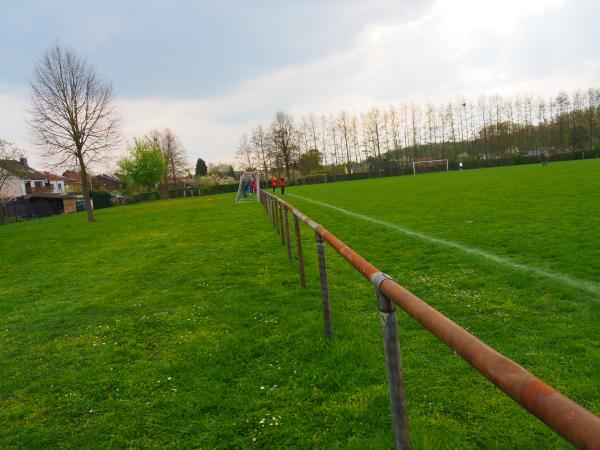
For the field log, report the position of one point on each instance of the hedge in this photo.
(101, 199)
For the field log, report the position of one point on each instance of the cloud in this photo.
(436, 52)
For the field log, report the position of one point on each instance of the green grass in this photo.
(181, 323)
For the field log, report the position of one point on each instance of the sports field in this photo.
(181, 323)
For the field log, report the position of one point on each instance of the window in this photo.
(59, 187)
(38, 184)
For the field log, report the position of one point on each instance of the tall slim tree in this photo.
(72, 115)
(244, 154)
(201, 168)
(375, 131)
(172, 150)
(285, 139)
(260, 143)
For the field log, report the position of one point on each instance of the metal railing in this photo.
(574, 423)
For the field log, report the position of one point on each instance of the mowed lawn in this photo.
(181, 324)
(536, 217)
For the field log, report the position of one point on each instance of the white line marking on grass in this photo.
(568, 280)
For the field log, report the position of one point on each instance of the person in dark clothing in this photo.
(282, 185)
(543, 158)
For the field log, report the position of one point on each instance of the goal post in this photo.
(434, 165)
(248, 189)
(314, 179)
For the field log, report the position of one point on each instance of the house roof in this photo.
(16, 169)
(108, 178)
(67, 180)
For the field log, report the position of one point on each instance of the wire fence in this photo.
(574, 423)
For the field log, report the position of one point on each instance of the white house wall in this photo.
(13, 188)
(58, 186)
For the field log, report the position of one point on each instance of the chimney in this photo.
(23, 162)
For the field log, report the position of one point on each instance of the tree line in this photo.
(488, 128)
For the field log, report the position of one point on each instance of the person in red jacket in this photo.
(273, 183)
(282, 185)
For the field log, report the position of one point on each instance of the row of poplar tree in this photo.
(488, 128)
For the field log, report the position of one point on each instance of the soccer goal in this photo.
(249, 187)
(436, 165)
(314, 179)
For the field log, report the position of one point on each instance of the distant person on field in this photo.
(460, 166)
(282, 185)
(543, 158)
(253, 186)
(274, 183)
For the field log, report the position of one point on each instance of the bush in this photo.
(101, 199)
(146, 196)
(219, 189)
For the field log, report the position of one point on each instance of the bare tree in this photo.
(344, 127)
(431, 128)
(312, 121)
(73, 117)
(334, 157)
(172, 151)
(244, 154)
(354, 132)
(393, 114)
(285, 139)
(593, 97)
(260, 143)
(375, 129)
(324, 138)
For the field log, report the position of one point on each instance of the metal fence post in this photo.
(268, 207)
(281, 227)
(277, 216)
(324, 286)
(299, 251)
(393, 362)
(287, 234)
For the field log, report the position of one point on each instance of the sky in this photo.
(211, 71)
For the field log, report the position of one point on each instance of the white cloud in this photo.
(455, 48)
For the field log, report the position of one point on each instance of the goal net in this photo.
(313, 179)
(249, 186)
(436, 165)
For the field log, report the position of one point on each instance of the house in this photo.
(107, 183)
(62, 184)
(43, 205)
(23, 180)
(32, 194)
(75, 175)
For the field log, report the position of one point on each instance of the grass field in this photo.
(181, 323)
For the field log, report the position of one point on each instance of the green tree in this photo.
(145, 165)
(310, 161)
(230, 172)
(201, 169)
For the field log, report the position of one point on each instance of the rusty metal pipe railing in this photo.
(574, 423)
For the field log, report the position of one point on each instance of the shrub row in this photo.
(101, 199)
